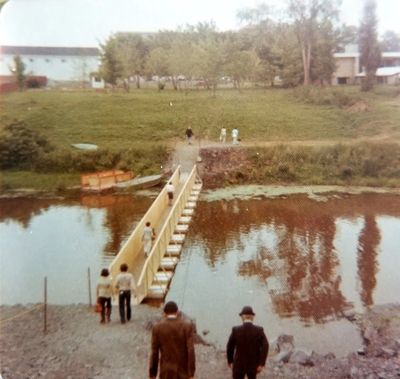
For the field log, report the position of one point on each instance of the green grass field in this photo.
(147, 121)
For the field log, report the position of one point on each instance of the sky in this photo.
(90, 22)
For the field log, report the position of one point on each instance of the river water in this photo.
(301, 263)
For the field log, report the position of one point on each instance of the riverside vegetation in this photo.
(310, 135)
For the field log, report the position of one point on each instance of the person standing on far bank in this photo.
(189, 135)
(172, 344)
(125, 284)
(222, 136)
(247, 347)
(235, 136)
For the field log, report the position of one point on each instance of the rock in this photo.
(282, 357)
(301, 357)
(350, 315)
(384, 352)
(370, 334)
(354, 373)
(362, 350)
(274, 347)
(330, 356)
(205, 332)
(285, 342)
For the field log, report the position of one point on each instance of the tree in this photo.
(308, 16)
(369, 47)
(323, 64)
(132, 51)
(111, 68)
(18, 70)
(390, 41)
(157, 64)
(210, 60)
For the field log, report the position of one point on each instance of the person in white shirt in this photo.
(125, 284)
(170, 191)
(104, 295)
(147, 238)
(235, 135)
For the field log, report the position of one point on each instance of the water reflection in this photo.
(367, 258)
(60, 239)
(294, 251)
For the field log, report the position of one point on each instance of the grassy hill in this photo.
(136, 130)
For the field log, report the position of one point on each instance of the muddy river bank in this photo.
(77, 346)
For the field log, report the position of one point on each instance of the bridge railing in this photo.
(163, 239)
(134, 245)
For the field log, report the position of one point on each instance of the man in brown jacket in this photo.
(172, 338)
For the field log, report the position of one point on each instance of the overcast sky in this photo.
(87, 22)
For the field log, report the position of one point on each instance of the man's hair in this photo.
(170, 308)
(104, 272)
(124, 267)
(148, 223)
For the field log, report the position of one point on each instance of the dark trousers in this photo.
(106, 306)
(241, 374)
(124, 302)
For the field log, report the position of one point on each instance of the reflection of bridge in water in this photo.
(154, 273)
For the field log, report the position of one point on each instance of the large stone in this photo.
(285, 342)
(301, 357)
(282, 357)
(370, 334)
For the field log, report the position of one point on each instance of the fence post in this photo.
(89, 287)
(45, 306)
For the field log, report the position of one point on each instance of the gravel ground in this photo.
(77, 346)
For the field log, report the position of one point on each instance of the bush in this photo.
(20, 146)
(325, 96)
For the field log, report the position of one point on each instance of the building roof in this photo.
(346, 55)
(388, 54)
(391, 54)
(384, 71)
(48, 50)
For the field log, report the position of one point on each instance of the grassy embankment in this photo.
(137, 130)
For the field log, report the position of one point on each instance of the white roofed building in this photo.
(58, 64)
(349, 70)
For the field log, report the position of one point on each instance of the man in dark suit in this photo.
(247, 347)
(172, 338)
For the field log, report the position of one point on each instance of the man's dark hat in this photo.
(170, 307)
(247, 311)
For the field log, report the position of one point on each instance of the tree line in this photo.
(298, 49)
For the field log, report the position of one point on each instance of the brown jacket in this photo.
(172, 338)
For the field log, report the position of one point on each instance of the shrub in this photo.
(20, 146)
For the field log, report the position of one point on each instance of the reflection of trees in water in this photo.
(309, 284)
(302, 270)
(23, 209)
(367, 258)
(121, 213)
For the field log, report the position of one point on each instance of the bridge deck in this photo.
(151, 273)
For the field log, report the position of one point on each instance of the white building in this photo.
(348, 68)
(58, 64)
